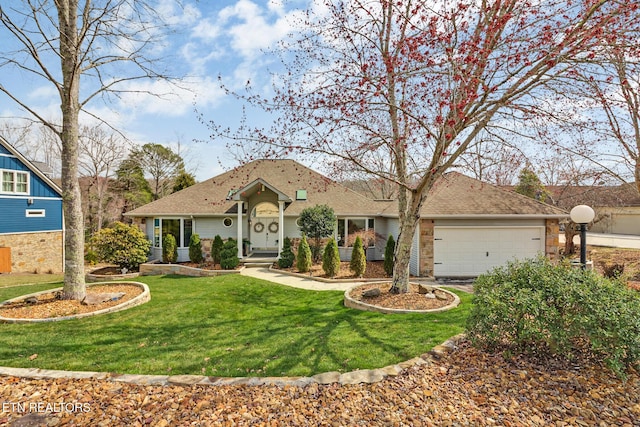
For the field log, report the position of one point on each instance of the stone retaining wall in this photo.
(35, 252)
(157, 269)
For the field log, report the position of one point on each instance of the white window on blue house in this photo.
(15, 182)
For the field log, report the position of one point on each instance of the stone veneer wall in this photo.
(35, 252)
(426, 248)
(552, 241)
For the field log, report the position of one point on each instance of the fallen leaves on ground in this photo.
(466, 387)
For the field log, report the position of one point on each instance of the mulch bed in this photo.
(466, 387)
(411, 300)
(50, 305)
(375, 270)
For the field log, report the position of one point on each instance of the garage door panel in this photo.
(471, 251)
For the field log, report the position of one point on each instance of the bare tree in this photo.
(84, 50)
(100, 154)
(419, 80)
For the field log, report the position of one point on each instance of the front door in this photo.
(264, 227)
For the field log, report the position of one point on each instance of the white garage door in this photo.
(471, 251)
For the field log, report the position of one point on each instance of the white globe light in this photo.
(582, 214)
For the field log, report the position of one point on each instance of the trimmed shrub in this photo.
(331, 258)
(303, 261)
(389, 251)
(358, 263)
(216, 248)
(169, 249)
(287, 256)
(229, 255)
(538, 308)
(317, 222)
(195, 249)
(122, 244)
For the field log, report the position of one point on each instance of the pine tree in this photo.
(388, 255)
(216, 248)
(331, 258)
(358, 262)
(286, 256)
(303, 261)
(195, 249)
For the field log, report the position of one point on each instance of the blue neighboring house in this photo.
(31, 220)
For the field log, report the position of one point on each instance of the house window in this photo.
(35, 213)
(171, 226)
(227, 222)
(180, 229)
(350, 228)
(187, 230)
(15, 182)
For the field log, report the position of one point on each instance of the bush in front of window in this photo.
(122, 244)
(331, 258)
(169, 249)
(229, 255)
(358, 263)
(195, 249)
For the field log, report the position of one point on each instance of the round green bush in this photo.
(538, 308)
(122, 244)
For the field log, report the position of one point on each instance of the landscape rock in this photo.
(94, 299)
(371, 293)
(422, 289)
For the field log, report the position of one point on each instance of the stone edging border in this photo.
(359, 305)
(366, 376)
(324, 279)
(145, 296)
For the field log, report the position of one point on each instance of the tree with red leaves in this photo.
(418, 81)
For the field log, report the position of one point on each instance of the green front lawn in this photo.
(227, 326)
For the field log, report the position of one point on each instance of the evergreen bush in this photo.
(287, 256)
(331, 258)
(358, 263)
(216, 248)
(229, 255)
(195, 249)
(303, 261)
(169, 249)
(389, 251)
(122, 244)
(542, 309)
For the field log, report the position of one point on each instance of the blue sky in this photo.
(220, 38)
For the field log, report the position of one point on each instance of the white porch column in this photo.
(239, 228)
(281, 228)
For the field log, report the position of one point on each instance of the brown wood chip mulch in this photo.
(465, 388)
(49, 305)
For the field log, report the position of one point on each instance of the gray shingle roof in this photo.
(453, 195)
(212, 197)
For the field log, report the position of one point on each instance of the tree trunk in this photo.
(74, 283)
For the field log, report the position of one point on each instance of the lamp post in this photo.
(582, 214)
